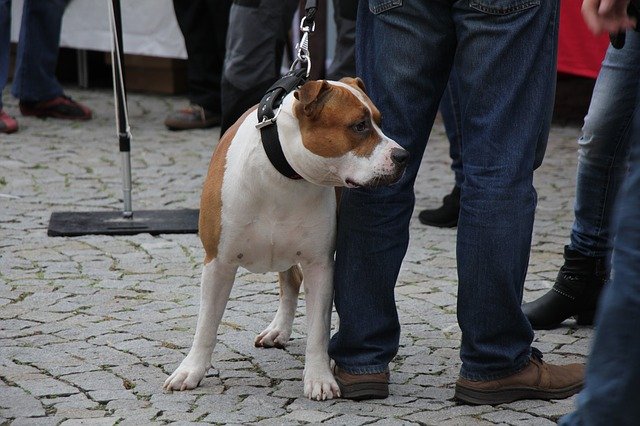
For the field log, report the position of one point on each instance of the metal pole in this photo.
(120, 98)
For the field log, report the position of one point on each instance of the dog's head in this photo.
(341, 136)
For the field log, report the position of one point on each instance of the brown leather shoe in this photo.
(362, 386)
(192, 117)
(538, 380)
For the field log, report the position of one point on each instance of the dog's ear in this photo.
(355, 82)
(311, 95)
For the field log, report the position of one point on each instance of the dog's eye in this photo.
(361, 126)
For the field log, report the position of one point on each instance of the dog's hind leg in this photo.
(278, 332)
(217, 280)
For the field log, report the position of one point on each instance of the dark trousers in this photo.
(255, 45)
(204, 26)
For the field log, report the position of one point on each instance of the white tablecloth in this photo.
(149, 27)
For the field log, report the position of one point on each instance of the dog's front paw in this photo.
(273, 337)
(186, 376)
(320, 386)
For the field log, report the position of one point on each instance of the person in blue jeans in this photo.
(602, 166)
(34, 82)
(504, 55)
(611, 394)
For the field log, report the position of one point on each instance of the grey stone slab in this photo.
(309, 416)
(42, 386)
(103, 421)
(37, 421)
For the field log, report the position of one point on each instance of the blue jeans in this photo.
(611, 394)
(604, 148)
(450, 111)
(37, 56)
(404, 53)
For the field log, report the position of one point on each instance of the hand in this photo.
(607, 15)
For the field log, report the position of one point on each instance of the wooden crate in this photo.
(153, 74)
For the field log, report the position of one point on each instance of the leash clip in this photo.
(302, 48)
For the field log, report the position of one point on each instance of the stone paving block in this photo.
(105, 421)
(555, 410)
(229, 418)
(510, 417)
(277, 421)
(466, 420)
(104, 396)
(96, 380)
(140, 417)
(78, 400)
(43, 386)
(10, 371)
(452, 412)
(37, 421)
(16, 402)
(309, 416)
(560, 339)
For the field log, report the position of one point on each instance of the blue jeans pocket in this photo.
(378, 6)
(502, 7)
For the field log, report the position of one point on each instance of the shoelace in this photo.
(536, 354)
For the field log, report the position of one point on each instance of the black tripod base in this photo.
(154, 222)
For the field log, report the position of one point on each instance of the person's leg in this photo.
(611, 394)
(344, 54)
(446, 216)
(5, 38)
(255, 43)
(8, 124)
(506, 93)
(35, 82)
(203, 24)
(37, 56)
(602, 165)
(373, 225)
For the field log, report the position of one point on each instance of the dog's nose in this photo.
(399, 156)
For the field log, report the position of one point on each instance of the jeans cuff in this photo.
(370, 369)
(485, 377)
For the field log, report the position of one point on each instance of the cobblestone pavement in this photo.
(91, 326)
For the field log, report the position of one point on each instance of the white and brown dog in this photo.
(253, 216)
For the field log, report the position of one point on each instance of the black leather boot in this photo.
(574, 294)
(445, 216)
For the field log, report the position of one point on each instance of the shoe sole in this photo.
(504, 396)
(8, 131)
(58, 116)
(583, 319)
(364, 390)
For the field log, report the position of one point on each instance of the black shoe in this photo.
(192, 117)
(445, 216)
(575, 292)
